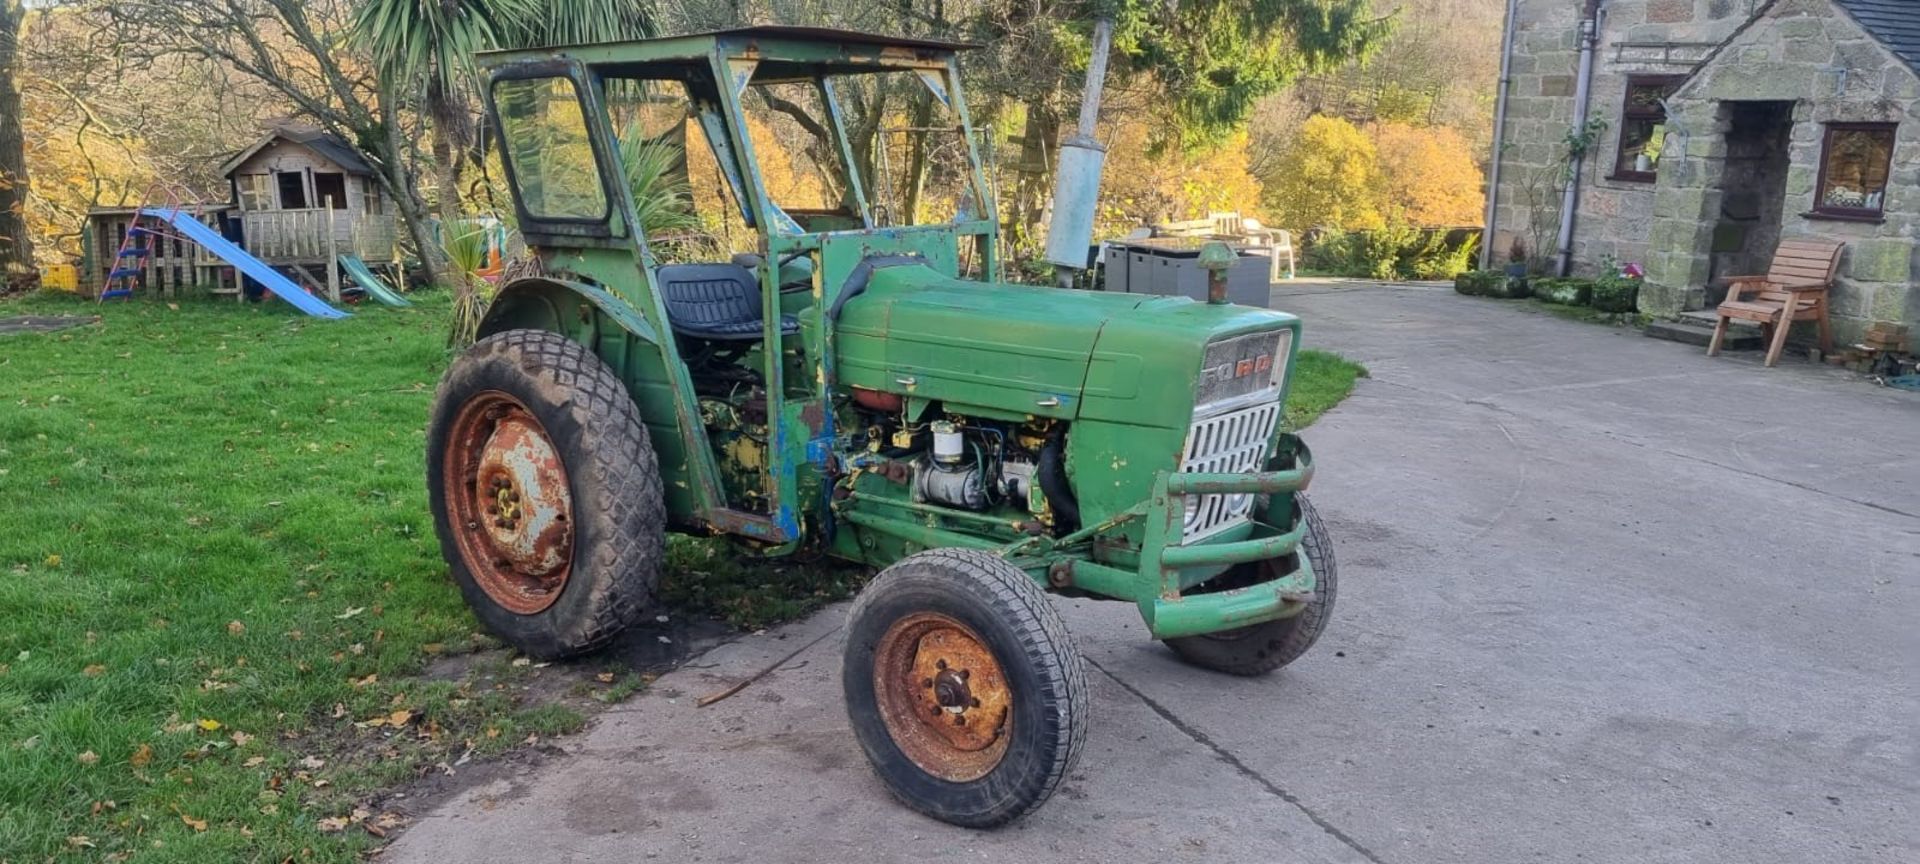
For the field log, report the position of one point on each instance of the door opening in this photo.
(1753, 191)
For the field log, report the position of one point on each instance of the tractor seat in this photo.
(715, 301)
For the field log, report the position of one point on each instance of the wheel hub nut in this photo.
(951, 691)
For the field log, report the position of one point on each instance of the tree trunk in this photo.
(916, 180)
(16, 248)
(401, 191)
(1038, 149)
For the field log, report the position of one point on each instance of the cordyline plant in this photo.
(426, 47)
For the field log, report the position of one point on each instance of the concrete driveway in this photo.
(1603, 600)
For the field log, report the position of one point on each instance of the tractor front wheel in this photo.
(546, 493)
(1261, 648)
(963, 687)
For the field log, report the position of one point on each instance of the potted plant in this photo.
(1517, 259)
(1618, 288)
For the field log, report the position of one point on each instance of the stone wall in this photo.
(1808, 53)
(1653, 37)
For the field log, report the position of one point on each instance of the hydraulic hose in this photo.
(1053, 480)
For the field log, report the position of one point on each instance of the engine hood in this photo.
(1028, 350)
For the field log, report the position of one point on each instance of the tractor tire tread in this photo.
(599, 408)
(1042, 634)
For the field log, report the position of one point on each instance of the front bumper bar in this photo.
(1170, 613)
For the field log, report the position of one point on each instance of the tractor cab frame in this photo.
(602, 265)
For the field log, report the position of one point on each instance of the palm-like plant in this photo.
(427, 47)
(662, 199)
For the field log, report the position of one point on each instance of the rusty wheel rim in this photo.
(943, 696)
(508, 502)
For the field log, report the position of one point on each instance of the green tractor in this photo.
(825, 359)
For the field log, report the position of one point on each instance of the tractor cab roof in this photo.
(795, 51)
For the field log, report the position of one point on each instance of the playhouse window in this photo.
(293, 189)
(330, 189)
(1643, 127)
(1854, 164)
(256, 192)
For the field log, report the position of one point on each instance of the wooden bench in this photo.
(1795, 288)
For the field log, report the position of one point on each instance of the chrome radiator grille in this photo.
(1231, 442)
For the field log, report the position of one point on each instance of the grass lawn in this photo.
(1320, 380)
(220, 586)
(219, 583)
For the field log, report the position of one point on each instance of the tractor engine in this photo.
(973, 463)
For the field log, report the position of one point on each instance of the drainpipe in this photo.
(1499, 136)
(1570, 199)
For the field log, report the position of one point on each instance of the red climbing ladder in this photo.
(128, 268)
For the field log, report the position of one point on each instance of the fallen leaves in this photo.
(351, 612)
(94, 670)
(87, 758)
(195, 824)
(141, 757)
(235, 628)
(209, 724)
(396, 720)
(312, 763)
(240, 739)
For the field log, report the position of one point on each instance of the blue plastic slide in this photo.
(224, 249)
(363, 277)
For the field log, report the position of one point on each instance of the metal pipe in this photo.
(932, 510)
(932, 538)
(1096, 75)
(1499, 135)
(1076, 190)
(1570, 197)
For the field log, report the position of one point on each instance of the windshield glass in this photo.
(908, 151)
(910, 147)
(549, 149)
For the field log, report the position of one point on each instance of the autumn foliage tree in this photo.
(1428, 172)
(1327, 175)
(1333, 174)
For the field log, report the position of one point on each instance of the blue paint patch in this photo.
(820, 451)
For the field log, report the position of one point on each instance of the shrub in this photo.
(1388, 253)
(1479, 283)
(1615, 293)
(1333, 251)
(1567, 292)
(1511, 288)
(1443, 261)
(1398, 251)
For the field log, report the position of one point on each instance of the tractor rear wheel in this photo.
(546, 493)
(1261, 648)
(963, 687)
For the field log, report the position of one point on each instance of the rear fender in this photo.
(570, 308)
(629, 344)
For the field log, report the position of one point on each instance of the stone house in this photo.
(1715, 128)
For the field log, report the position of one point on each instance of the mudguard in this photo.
(546, 303)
